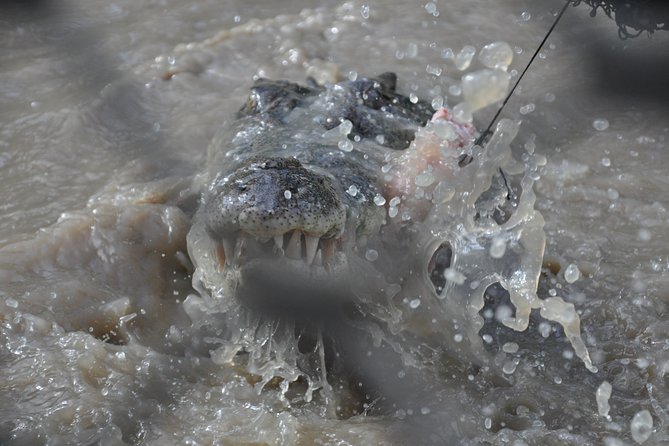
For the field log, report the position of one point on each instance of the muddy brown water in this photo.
(107, 110)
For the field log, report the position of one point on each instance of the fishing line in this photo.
(481, 139)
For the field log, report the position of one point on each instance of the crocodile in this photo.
(331, 221)
(300, 184)
(348, 210)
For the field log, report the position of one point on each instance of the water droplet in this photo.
(484, 87)
(431, 69)
(527, 109)
(464, 58)
(510, 347)
(364, 11)
(644, 235)
(454, 276)
(415, 303)
(602, 396)
(497, 247)
(544, 329)
(424, 179)
(345, 145)
(352, 190)
(12, 303)
(572, 273)
(445, 130)
(606, 162)
(371, 255)
(497, 55)
(509, 367)
(437, 102)
(379, 200)
(443, 192)
(526, 16)
(600, 124)
(642, 426)
(287, 194)
(412, 50)
(413, 98)
(463, 112)
(345, 127)
(502, 313)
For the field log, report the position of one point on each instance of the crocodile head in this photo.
(303, 194)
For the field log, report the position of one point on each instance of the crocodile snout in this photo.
(275, 199)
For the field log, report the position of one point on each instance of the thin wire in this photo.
(479, 141)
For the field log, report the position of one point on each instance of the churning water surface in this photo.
(107, 111)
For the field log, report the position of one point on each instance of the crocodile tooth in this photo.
(328, 248)
(278, 242)
(312, 246)
(294, 248)
(239, 246)
(228, 248)
(222, 258)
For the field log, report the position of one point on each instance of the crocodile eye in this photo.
(439, 262)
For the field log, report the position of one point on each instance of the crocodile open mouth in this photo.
(294, 246)
(292, 274)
